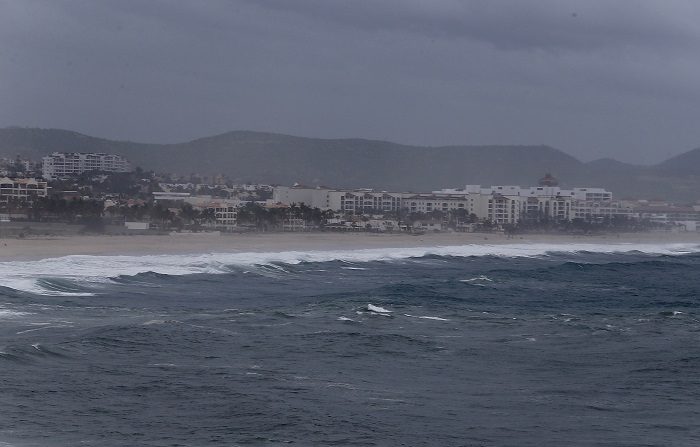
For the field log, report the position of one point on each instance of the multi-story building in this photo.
(688, 216)
(225, 213)
(539, 208)
(591, 194)
(22, 189)
(543, 202)
(68, 164)
(356, 201)
(364, 201)
(593, 211)
(426, 203)
(498, 204)
(502, 209)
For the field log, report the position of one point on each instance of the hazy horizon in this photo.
(593, 79)
(582, 159)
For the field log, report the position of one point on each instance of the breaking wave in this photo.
(80, 275)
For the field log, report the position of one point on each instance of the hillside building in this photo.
(69, 164)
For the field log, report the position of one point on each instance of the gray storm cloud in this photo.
(550, 24)
(594, 78)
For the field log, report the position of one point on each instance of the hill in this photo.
(274, 158)
(687, 163)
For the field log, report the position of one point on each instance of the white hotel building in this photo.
(498, 204)
(354, 201)
(509, 204)
(365, 201)
(68, 164)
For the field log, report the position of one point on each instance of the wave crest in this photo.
(76, 275)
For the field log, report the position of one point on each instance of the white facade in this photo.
(67, 164)
(225, 210)
(558, 208)
(426, 203)
(498, 204)
(225, 214)
(365, 201)
(598, 210)
(541, 203)
(669, 215)
(592, 194)
(352, 201)
(501, 209)
(589, 194)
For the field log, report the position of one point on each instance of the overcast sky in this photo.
(595, 78)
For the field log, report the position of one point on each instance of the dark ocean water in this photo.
(557, 349)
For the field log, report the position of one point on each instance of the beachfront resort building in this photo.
(23, 190)
(511, 204)
(354, 201)
(364, 201)
(69, 164)
(687, 217)
(427, 203)
(225, 213)
(498, 204)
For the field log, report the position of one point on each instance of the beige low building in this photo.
(25, 190)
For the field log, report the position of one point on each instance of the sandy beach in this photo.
(51, 247)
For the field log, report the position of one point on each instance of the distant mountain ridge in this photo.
(247, 156)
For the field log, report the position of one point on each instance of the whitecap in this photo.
(426, 317)
(40, 329)
(88, 272)
(477, 278)
(9, 314)
(377, 309)
(670, 313)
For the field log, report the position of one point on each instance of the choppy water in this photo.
(522, 345)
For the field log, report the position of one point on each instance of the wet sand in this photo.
(51, 247)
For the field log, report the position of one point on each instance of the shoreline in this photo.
(37, 248)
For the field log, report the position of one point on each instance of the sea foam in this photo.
(377, 309)
(90, 271)
(8, 314)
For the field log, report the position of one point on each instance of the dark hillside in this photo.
(274, 158)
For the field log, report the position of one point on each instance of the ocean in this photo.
(504, 345)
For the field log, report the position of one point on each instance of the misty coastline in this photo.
(349, 223)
